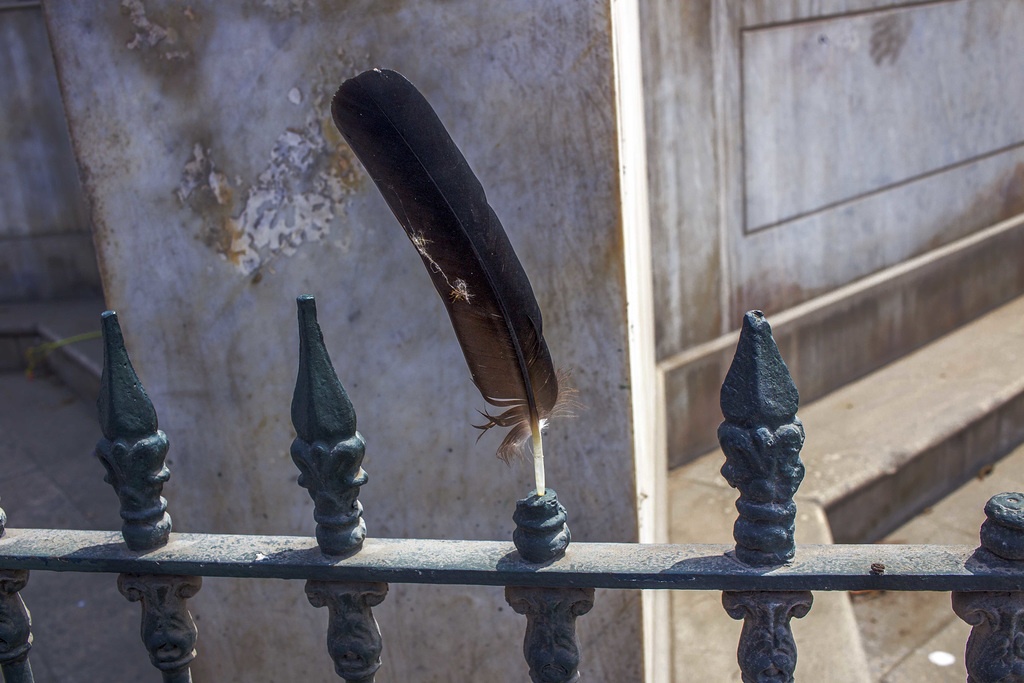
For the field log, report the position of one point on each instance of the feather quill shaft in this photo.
(442, 206)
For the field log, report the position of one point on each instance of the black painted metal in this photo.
(994, 652)
(497, 563)
(329, 453)
(15, 624)
(995, 649)
(132, 451)
(767, 650)
(1003, 530)
(541, 533)
(133, 448)
(327, 449)
(15, 628)
(765, 577)
(761, 438)
(551, 646)
(168, 631)
(353, 637)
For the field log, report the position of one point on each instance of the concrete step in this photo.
(705, 637)
(878, 452)
(915, 636)
(78, 365)
(855, 330)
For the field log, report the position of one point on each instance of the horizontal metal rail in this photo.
(494, 563)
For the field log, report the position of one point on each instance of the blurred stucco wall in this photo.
(46, 249)
(796, 148)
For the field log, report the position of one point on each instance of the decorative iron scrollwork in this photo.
(15, 627)
(132, 448)
(995, 649)
(353, 637)
(327, 449)
(551, 646)
(767, 650)
(1002, 533)
(761, 438)
(541, 532)
(168, 631)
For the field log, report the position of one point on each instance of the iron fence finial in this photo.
(327, 449)
(761, 438)
(321, 408)
(541, 533)
(132, 449)
(758, 389)
(1002, 533)
(124, 408)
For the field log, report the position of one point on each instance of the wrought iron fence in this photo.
(765, 578)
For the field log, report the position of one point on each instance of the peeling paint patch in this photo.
(149, 34)
(222, 191)
(296, 198)
(146, 32)
(284, 7)
(192, 175)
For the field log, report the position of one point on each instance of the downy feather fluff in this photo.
(442, 206)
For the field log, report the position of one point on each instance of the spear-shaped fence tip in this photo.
(761, 438)
(125, 410)
(758, 388)
(327, 449)
(132, 449)
(321, 409)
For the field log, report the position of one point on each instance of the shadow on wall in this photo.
(47, 250)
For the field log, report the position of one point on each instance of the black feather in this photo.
(438, 200)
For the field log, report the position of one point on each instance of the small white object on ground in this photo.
(941, 658)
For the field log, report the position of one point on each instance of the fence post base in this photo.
(168, 631)
(15, 627)
(551, 646)
(767, 650)
(353, 637)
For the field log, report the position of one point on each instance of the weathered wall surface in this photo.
(220, 191)
(682, 170)
(798, 147)
(872, 137)
(46, 250)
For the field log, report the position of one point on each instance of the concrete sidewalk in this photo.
(905, 634)
(30, 323)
